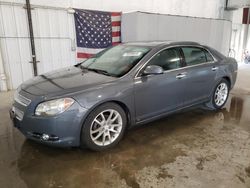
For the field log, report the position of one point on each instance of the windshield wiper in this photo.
(100, 71)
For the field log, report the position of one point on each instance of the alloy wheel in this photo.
(106, 127)
(221, 94)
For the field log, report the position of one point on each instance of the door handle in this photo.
(214, 68)
(181, 75)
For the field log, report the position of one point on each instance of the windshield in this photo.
(116, 61)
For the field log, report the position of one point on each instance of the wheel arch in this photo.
(209, 104)
(125, 108)
(227, 78)
(121, 104)
(85, 118)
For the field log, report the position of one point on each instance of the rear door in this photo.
(201, 69)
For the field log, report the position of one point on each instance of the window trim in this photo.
(184, 67)
(208, 52)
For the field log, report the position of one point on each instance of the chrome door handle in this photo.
(180, 76)
(214, 68)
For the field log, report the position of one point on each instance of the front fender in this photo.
(121, 92)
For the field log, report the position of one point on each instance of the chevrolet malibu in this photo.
(92, 103)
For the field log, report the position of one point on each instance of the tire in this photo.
(101, 131)
(214, 103)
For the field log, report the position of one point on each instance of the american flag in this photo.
(95, 31)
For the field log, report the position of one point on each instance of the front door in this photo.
(158, 94)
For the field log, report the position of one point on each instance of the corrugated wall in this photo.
(54, 40)
(139, 26)
(199, 8)
(14, 46)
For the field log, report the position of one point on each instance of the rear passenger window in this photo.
(194, 56)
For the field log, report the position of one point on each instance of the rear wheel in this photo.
(104, 127)
(220, 95)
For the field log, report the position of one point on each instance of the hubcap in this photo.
(106, 127)
(221, 94)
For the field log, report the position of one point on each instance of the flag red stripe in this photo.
(245, 16)
(115, 43)
(115, 13)
(117, 23)
(116, 34)
(84, 55)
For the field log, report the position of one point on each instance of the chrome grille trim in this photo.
(18, 113)
(22, 100)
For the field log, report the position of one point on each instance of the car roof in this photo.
(160, 43)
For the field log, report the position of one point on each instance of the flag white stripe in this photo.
(116, 39)
(116, 28)
(80, 59)
(115, 18)
(89, 50)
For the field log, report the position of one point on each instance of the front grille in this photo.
(21, 99)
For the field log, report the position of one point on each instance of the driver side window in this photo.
(167, 59)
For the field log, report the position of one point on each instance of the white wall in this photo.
(240, 34)
(140, 26)
(54, 41)
(237, 16)
(238, 3)
(236, 40)
(197, 8)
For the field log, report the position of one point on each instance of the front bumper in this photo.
(63, 130)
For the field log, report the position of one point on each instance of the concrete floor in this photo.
(197, 148)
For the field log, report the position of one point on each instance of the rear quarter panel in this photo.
(228, 67)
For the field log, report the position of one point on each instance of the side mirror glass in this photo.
(153, 70)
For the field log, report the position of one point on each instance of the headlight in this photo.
(53, 107)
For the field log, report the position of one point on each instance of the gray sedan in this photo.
(93, 103)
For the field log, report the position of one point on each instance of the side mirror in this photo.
(153, 70)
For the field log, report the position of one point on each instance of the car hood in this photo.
(64, 81)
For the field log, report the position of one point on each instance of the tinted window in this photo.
(194, 56)
(167, 59)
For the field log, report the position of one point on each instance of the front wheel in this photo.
(220, 95)
(104, 127)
